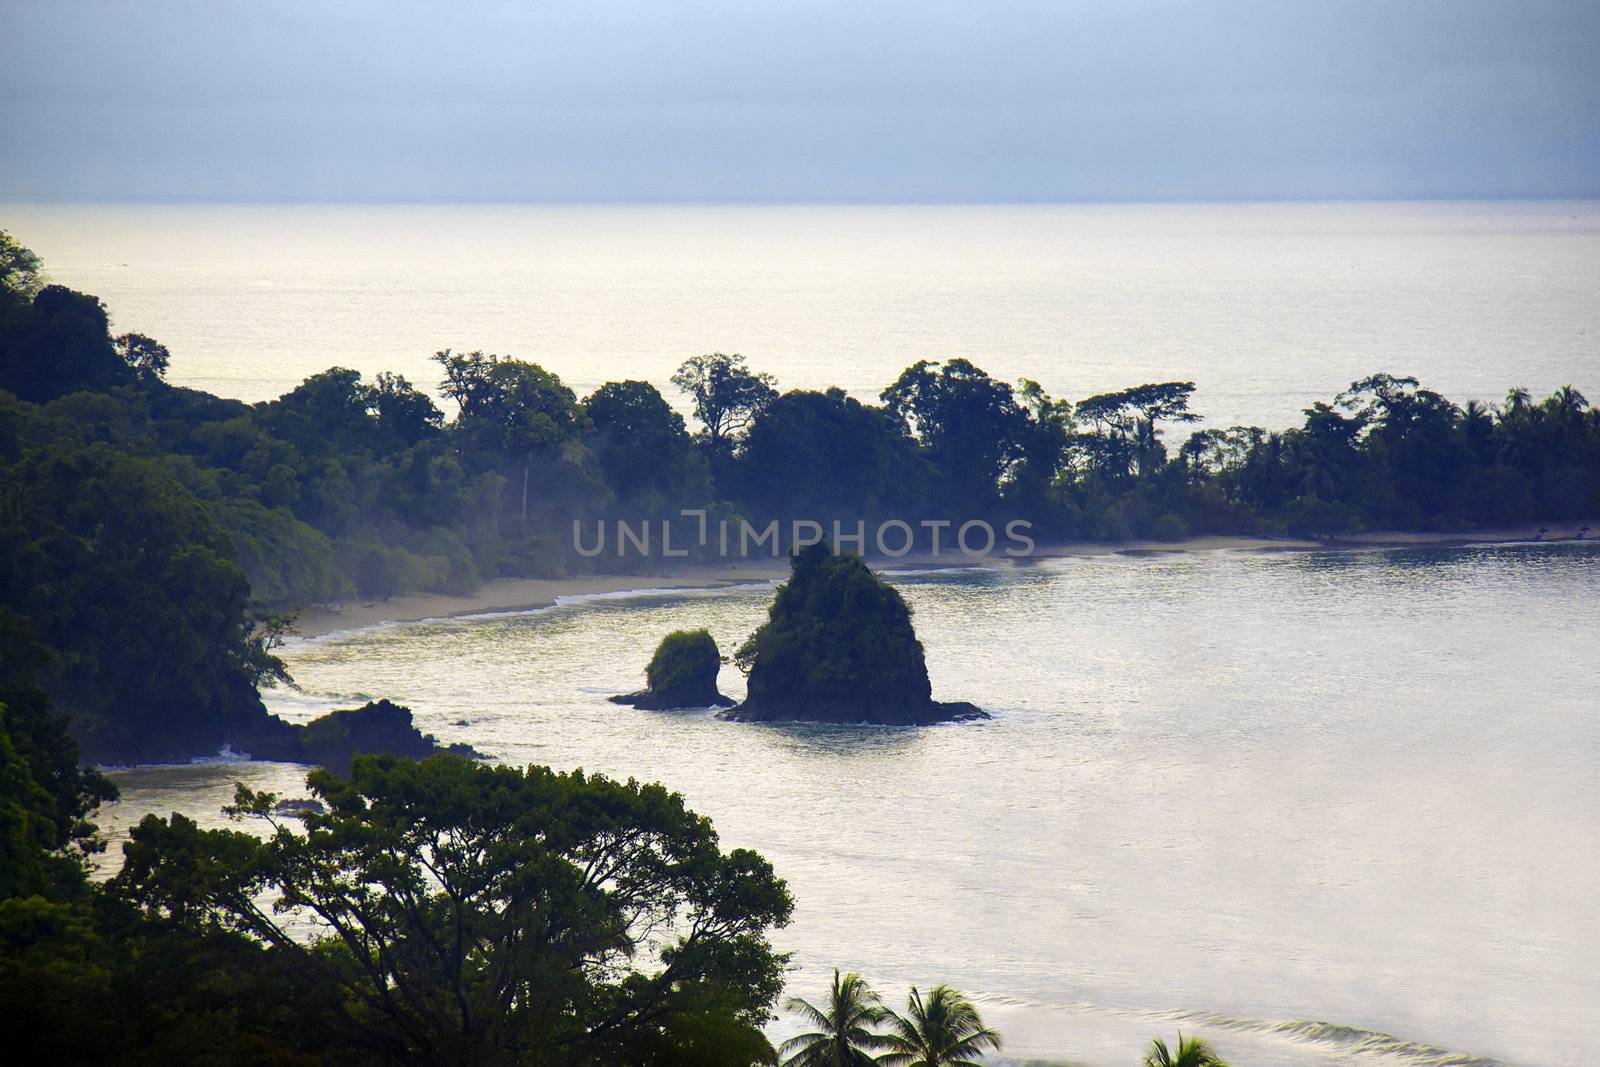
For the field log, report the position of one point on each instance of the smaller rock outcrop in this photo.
(380, 726)
(682, 674)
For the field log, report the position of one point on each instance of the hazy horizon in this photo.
(715, 102)
(1265, 306)
(664, 201)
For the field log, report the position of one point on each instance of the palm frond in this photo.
(844, 1034)
(805, 1008)
(1189, 1052)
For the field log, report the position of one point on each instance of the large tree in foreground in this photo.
(943, 1029)
(468, 914)
(843, 1030)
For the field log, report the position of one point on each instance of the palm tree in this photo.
(844, 1034)
(1191, 1052)
(944, 1030)
(1566, 406)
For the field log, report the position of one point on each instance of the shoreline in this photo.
(510, 595)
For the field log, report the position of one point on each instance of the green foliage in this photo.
(406, 416)
(435, 560)
(21, 273)
(339, 486)
(459, 914)
(1189, 1052)
(490, 915)
(853, 1029)
(642, 448)
(334, 740)
(57, 345)
(507, 404)
(1127, 436)
(844, 1028)
(143, 522)
(837, 644)
(45, 800)
(517, 411)
(682, 673)
(824, 456)
(683, 658)
(727, 397)
(971, 425)
(285, 560)
(374, 470)
(146, 358)
(128, 580)
(942, 1030)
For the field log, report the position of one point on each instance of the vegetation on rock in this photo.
(838, 646)
(682, 674)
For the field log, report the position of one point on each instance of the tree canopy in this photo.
(727, 396)
(473, 914)
(643, 449)
(942, 1029)
(21, 273)
(970, 424)
(438, 912)
(822, 456)
(843, 1029)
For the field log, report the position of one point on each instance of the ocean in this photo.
(1266, 306)
(1323, 807)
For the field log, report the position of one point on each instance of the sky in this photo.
(759, 100)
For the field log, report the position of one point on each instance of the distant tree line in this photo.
(153, 534)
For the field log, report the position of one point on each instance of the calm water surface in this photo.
(1241, 793)
(1266, 306)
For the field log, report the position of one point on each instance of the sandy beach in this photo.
(524, 594)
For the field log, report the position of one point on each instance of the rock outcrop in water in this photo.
(334, 739)
(682, 674)
(838, 646)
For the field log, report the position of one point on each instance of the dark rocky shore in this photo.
(334, 739)
(929, 714)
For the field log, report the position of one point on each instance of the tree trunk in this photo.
(527, 461)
